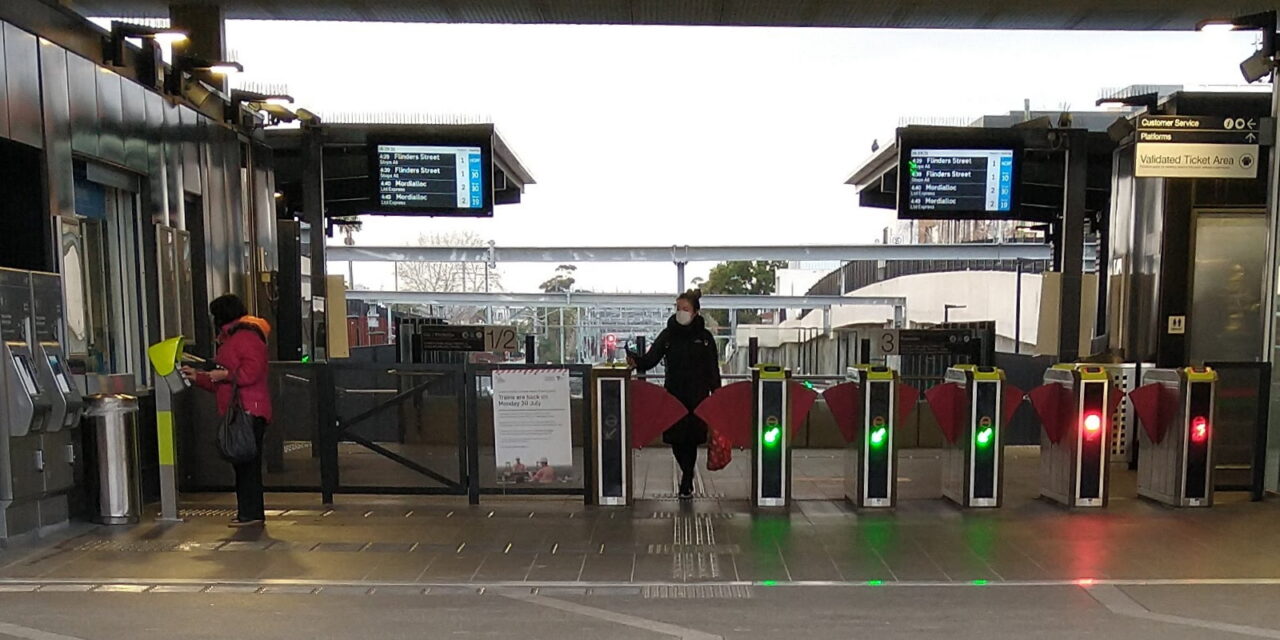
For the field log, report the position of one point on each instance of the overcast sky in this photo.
(687, 136)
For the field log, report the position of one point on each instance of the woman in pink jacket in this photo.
(242, 362)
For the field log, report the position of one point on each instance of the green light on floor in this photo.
(984, 436)
(875, 583)
(771, 436)
(879, 436)
(979, 583)
(808, 384)
(306, 359)
(768, 583)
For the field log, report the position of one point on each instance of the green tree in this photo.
(742, 277)
(550, 339)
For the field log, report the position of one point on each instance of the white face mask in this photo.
(684, 318)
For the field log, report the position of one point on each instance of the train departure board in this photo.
(432, 180)
(960, 180)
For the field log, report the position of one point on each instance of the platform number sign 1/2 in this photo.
(500, 339)
(1177, 325)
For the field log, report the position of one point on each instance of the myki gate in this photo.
(1076, 404)
(868, 410)
(771, 438)
(626, 414)
(764, 414)
(972, 407)
(612, 420)
(1175, 454)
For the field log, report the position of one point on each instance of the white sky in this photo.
(685, 136)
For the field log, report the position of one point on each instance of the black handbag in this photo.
(236, 440)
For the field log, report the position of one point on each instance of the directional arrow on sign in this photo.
(1253, 123)
(1251, 138)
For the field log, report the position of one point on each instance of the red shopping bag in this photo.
(719, 451)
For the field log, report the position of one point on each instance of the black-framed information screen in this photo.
(415, 177)
(958, 175)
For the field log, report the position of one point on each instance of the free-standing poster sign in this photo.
(531, 426)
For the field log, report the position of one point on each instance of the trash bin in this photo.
(114, 430)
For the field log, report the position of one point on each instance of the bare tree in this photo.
(450, 277)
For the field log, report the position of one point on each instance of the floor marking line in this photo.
(32, 634)
(1121, 603)
(634, 622)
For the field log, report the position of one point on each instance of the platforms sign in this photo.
(1197, 147)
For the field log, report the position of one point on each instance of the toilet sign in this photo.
(1198, 146)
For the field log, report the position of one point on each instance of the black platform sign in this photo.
(1199, 129)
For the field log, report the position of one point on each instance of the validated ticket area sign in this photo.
(1197, 147)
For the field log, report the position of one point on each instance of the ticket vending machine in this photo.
(1175, 454)
(1076, 406)
(27, 406)
(973, 463)
(59, 438)
(58, 442)
(771, 438)
(612, 457)
(166, 358)
(871, 461)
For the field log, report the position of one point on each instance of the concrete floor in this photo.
(435, 567)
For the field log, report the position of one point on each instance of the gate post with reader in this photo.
(771, 442)
(1076, 405)
(973, 465)
(871, 462)
(612, 412)
(1175, 457)
(165, 358)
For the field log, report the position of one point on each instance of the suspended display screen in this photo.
(958, 176)
(432, 179)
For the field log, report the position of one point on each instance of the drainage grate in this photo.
(667, 549)
(206, 513)
(668, 515)
(697, 592)
(142, 546)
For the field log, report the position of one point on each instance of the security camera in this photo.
(1256, 67)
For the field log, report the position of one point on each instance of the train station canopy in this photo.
(929, 14)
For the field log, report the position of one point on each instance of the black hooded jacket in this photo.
(692, 364)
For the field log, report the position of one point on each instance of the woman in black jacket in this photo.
(692, 373)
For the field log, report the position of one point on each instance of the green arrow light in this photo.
(771, 436)
(878, 436)
(984, 436)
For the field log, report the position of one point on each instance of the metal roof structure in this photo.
(686, 254)
(577, 299)
(923, 14)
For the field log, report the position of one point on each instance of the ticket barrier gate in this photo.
(626, 414)
(972, 407)
(27, 406)
(771, 437)
(1076, 404)
(764, 415)
(611, 417)
(1175, 453)
(868, 410)
(166, 359)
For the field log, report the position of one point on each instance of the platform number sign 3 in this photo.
(887, 342)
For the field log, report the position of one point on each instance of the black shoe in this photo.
(238, 523)
(686, 494)
(686, 488)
